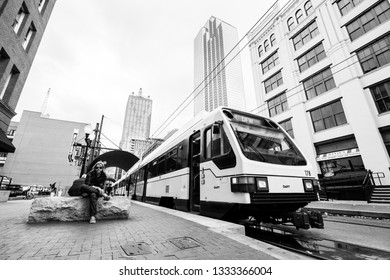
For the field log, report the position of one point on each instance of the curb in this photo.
(230, 230)
(346, 212)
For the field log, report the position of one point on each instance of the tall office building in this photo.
(321, 69)
(217, 68)
(22, 24)
(137, 122)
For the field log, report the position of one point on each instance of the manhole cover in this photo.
(184, 243)
(136, 248)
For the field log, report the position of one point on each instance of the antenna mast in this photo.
(44, 105)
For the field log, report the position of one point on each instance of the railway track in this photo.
(317, 248)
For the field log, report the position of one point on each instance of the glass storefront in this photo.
(339, 165)
(342, 170)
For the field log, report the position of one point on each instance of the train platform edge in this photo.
(351, 208)
(234, 232)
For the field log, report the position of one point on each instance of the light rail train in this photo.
(229, 164)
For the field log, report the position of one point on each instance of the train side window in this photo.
(161, 165)
(152, 169)
(220, 143)
(208, 144)
(140, 175)
(182, 157)
(196, 147)
(171, 163)
(216, 143)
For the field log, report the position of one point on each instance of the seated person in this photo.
(92, 187)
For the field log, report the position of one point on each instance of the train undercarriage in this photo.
(288, 213)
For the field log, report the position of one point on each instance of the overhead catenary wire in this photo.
(331, 67)
(111, 141)
(165, 124)
(289, 90)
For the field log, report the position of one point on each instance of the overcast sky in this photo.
(94, 53)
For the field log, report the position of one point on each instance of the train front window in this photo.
(267, 145)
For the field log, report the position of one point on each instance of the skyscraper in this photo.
(218, 79)
(22, 24)
(137, 120)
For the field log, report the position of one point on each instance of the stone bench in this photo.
(66, 209)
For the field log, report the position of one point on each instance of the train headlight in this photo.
(262, 184)
(308, 185)
(243, 184)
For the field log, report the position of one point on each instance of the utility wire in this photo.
(331, 67)
(289, 90)
(111, 141)
(214, 69)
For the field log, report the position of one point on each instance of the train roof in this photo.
(184, 132)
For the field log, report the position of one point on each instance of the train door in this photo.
(194, 161)
(144, 177)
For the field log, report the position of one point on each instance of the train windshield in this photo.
(267, 144)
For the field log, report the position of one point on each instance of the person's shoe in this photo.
(92, 220)
(106, 197)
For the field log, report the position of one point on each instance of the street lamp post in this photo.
(87, 131)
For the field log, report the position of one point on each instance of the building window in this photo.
(260, 49)
(381, 95)
(277, 105)
(370, 19)
(328, 116)
(20, 18)
(346, 5)
(11, 132)
(375, 55)
(273, 40)
(298, 16)
(4, 59)
(29, 37)
(9, 85)
(273, 82)
(290, 23)
(319, 83)
(287, 126)
(308, 8)
(270, 63)
(6, 84)
(311, 57)
(305, 35)
(266, 46)
(385, 132)
(42, 5)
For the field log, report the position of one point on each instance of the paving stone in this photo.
(104, 240)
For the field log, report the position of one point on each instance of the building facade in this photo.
(22, 25)
(137, 121)
(218, 77)
(43, 157)
(321, 69)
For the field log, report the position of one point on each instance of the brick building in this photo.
(43, 157)
(22, 24)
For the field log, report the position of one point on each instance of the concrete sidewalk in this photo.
(152, 233)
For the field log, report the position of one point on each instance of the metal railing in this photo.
(369, 182)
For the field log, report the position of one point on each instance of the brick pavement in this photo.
(155, 230)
